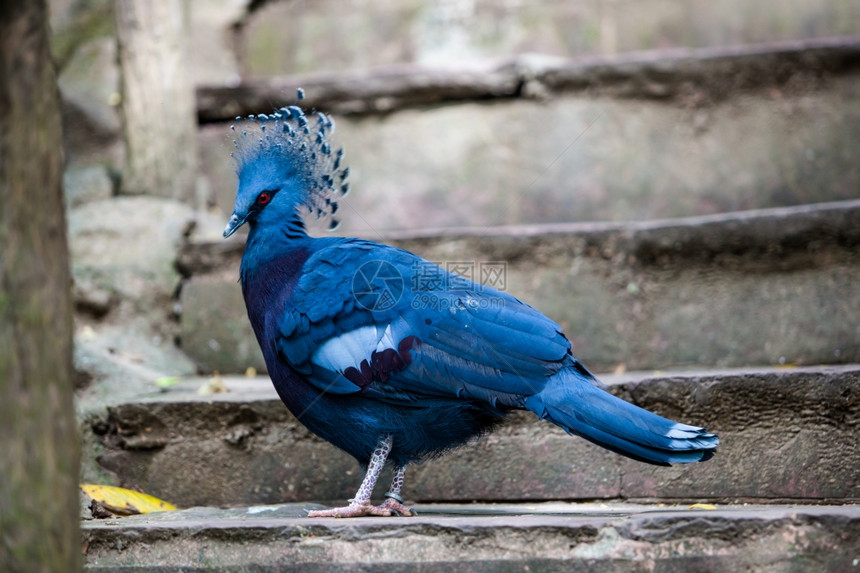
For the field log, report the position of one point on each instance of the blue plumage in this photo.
(389, 368)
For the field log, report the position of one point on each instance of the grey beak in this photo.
(234, 223)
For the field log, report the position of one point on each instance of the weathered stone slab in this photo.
(90, 82)
(85, 184)
(787, 434)
(717, 72)
(762, 287)
(617, 538)
(213, 333)
(575, 157)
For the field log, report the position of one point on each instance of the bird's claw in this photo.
(398, 508)
(352, 510)
(389, 508)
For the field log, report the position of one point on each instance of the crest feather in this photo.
(298, 144)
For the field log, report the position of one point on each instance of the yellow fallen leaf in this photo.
(125, 501)
(702, 506)
(251, 372)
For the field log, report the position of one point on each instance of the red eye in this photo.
(264, 197)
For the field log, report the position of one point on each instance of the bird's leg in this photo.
(393, 500)
(360, 504)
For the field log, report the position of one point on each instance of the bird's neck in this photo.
(271, 267)
(268, 241)
(272, 242)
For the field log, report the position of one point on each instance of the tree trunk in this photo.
(39, 514)
(160, 124)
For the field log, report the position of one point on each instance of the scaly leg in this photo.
(393, 500)
(360, 505)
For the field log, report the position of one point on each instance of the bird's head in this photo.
(287, 169)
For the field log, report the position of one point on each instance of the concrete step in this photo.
(788, 434)
(739, 289)
(558, 537)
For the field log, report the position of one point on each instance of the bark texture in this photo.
(39, 529)
(157, 99)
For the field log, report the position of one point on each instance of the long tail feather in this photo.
(572, 401)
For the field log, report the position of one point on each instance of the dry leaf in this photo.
(121, 501)
(214, 385)
(702, 506)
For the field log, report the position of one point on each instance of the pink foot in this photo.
(398, 508)
(387, 509)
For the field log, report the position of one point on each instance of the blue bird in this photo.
(382, 362)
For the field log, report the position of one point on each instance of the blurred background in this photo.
(495, 117)
(520, 151)
(676, 182)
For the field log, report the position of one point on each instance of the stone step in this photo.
(558, 537)
(788, 434)
(536, 139)
(660, 74)
(738, 289)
